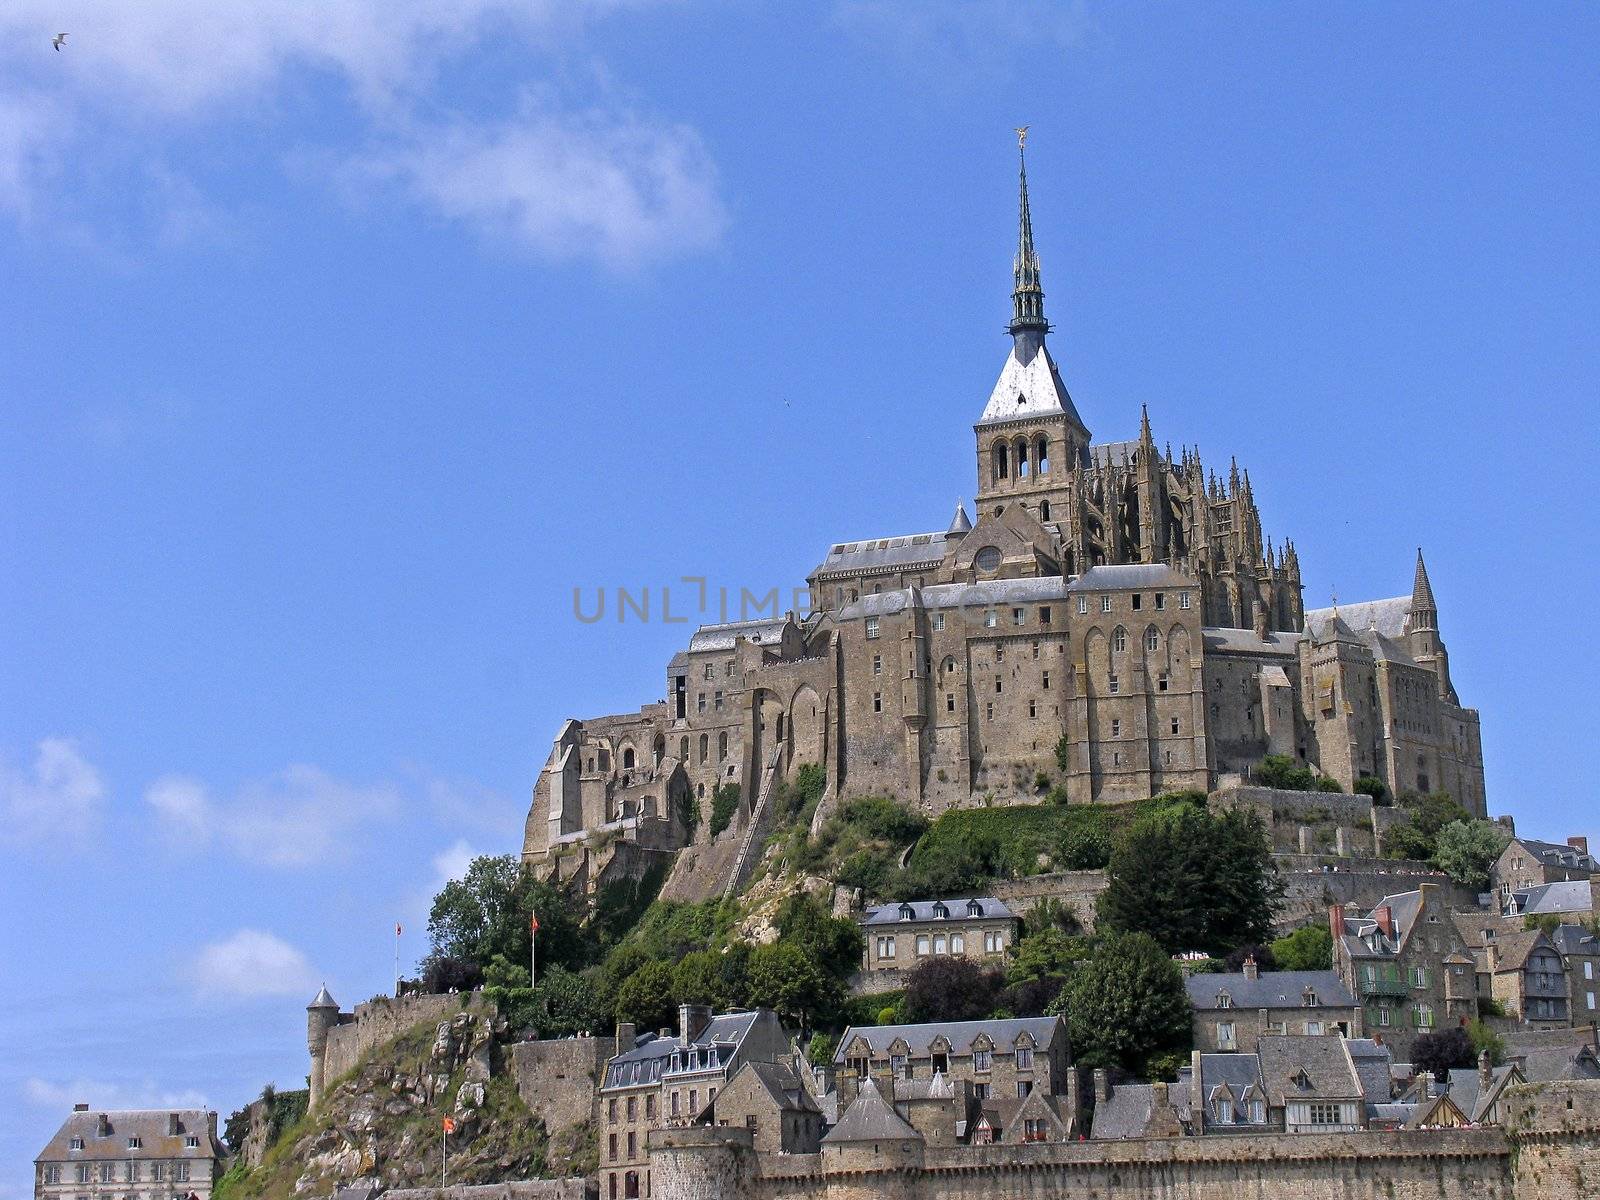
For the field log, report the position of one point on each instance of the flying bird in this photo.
(57, 40)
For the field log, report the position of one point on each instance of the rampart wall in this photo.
(382, 1019)
(527, 1189)
(559, 1079)
(1078, 890)
(1556, 1130)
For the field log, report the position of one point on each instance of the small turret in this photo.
(1422, 629)
(322, 1014)
(960, 526)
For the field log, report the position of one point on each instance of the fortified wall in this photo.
(524, 1189)
(559, 1079)
(382, 1019)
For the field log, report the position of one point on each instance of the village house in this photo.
(1232, 1010)
(769, 1099)
(1290, 1084)
(1000, 1058)
(1580, 952)
(901, 935)
(658, 1080)
(131, 1154)
(1524, 863)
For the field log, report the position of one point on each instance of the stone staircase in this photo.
(754, 830)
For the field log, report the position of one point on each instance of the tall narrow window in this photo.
(1119, 641)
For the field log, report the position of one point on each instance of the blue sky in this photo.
(337, 349)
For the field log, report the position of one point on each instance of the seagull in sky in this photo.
(57, 41)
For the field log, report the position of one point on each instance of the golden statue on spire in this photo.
(1022, 136)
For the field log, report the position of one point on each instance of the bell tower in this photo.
(1030, 438)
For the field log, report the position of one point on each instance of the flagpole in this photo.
(397, 961)
(533, 949)
(443, 1129)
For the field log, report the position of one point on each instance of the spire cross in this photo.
(1022, 136)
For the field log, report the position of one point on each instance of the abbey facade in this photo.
(1110, 621)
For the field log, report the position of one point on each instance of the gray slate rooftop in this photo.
(923, 910)
(1272, 989)
(1002, 1032)
(870, 1118)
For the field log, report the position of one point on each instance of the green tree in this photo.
(819, 1050)
(949, 989)
(1193, 881)
(1048, 954)
(783, 978)
(1126, 1006)
(485, 913)
(834, 943)
(1483, 1038)
(647, 997)
(1309, 948)
(697, 978)
(1465, 850)
(724, 804)
(1370, 785)
(569, 1005)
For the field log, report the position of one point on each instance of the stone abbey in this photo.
(1110, 621)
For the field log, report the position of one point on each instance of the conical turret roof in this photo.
(323, 1000)
(959, 524)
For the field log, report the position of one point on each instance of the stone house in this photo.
(1312, 1084)
(771, 1101)
(1528, 978)
(1010, 1120)
(1574, 899)
(1580, 952)
(1233, 1009)
(1289, 1084)
(1407, 964)
(131, 1154)
(1134, 1110)
(1478, 1091)
(665, 1080)
(1008, 1057)
(901, 935)
(1525, 862)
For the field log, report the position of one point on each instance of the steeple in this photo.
(1424, 612)
(1028, 325)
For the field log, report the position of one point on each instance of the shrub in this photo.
(1370, 785)
(1282, 772)
(1064, 755)
(1483, 1038)
(819, 1050)
(949, 989)
(724, 803)
(1440, 1053)
(1309, 948)
(888, 1015)
(1326, 784)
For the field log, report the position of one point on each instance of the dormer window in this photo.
(974, 909)
(76, 1144)
(940, 912)
(1301, 1080)
(1310, 998)
(1224, 1000)
(907, 912)
(135, 1143)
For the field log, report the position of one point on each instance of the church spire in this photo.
(1424, 612)
(1028, 325)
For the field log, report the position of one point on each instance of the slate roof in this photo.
(1003, 1032)
(646, 1062)
(1325, 1061)
(1245, 641)
(324, 1000)
(781, 1083)
(1466, 1090)
(1374, 1064)
(1515, 947)
(877, 554)
(1271, 989)
(1556, 855)
(1125, 1114)
(1570, 1062)
(149, 1125)
(1569, 896)
(870, 1118)
(1387, 617)
(723, 637)
(1575, 939)
(1114, 454)
(1128, 575)
(923, 910)
(1029, 389)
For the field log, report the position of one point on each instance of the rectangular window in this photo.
(958, 943)
(1138, 600)
(988, 711)
(633, 1144)
(650, 1107)
(716, 702)
(938, 621)
(877, 702)
(999, 654)
(922, 944)
(1313, 1028)
(694, 1101)
(939, 945)
(990, 619)
(674, 1103)
(872, 627)
(180, 1172)
(1225, 1035)
(982, 1060)
(633, 1108)
(77, 1142)
(708, 671)
(1024, 1058)
(82, 1173)
(1113, 685)
(1588, 970)
(611, 1147)
(1024, 1086)
(1116, 727)
(1033, 708)
(1019, 616)
(108, 1172)
(1161, 599)
(135, 1143)
(1183, 599)
(1105, 604)
(52, 1174)
(1161, 682)
(1044, 614)
(130, 1172)
(897, 1066)
(1083, 605)
(700, 702)
(886, 947)
(980, 1091)
(1176, 726)
(877, 664)
(611, 1111)
(998, 686)
(949, 702)
(1047, 681)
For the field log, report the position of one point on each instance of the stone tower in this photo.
(1422, 631)
(322, 1014)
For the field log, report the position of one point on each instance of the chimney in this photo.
(1158, 1095)
(1102, 1084)
(1492, 953)
(1580, 844)
(692, 1020)
(80, 1108)
(627, 1035)
(1485, 1071)
(1251, 970)
(1384, 916)
(1336, 921)
(173, 1129)
(102, 1126)
(1424, 1085)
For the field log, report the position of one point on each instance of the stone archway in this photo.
(806, 742)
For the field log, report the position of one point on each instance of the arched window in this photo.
(722, 745)
(1152, 640)
(627, 758)
(1002, 461)
(683, 749)
(1044, 510)
(1022, 460)
(1041, 457)
(948, 665)
(705, 746)
(1119, 641)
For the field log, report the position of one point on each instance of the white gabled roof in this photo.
(1029, 390)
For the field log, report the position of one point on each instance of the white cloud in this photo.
(560, 180)
(59, 800)
(451, 863)
(605, 184)
(252, 963)
(300, 817)
(103, 1094)
(967, 42)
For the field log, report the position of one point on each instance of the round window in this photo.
(988, 559)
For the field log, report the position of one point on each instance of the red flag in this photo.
(533, 923)
(449, 1125)
(397, 929)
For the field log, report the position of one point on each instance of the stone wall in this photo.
(1313, 881)
(716, 1164)
(382, 1019)
(1556, 1129)
(1078, 890)
(559, 1079)
(526, 1189)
